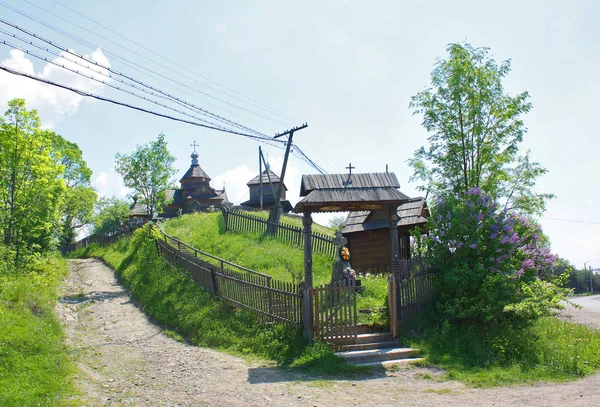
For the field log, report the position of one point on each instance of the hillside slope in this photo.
(278, 259)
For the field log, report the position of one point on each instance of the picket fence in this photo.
(272, 300)
(247, 223)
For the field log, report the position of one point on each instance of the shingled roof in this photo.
(195, 172)
(344, 192)
(265, 178)
(345, 181)
(410, 213)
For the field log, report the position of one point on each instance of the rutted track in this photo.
(125, 360)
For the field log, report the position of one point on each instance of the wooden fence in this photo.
(101, 239)
(248, 223)
(273, 300)
(335, 314)
(410, 290)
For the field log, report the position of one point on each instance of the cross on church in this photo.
(349, 180)
(350, 168)
(194, 145)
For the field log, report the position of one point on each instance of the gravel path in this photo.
(125, 360)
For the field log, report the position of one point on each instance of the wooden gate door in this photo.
(335, 314)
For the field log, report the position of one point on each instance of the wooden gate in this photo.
(335, 314)
(410, 290)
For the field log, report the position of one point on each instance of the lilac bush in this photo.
(495, 266)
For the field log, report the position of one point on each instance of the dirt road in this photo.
(125, 360)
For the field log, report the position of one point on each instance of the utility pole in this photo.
(275, 214)
(260, 175)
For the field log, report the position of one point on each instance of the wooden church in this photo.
(263, 192)
(195, 194)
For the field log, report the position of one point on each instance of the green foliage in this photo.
(372, 302)
(336, 223)
(475, 132)
(31, 191)
(148, 172)
(550, 349)
(34, 365)
(111, 215)
(495, 267)
(79, 199)
(44, 184)
(170, 297)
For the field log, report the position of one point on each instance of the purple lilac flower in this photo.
(459, 245)
(527, 264)
(473, 245)
(474, 191)
(480, 217)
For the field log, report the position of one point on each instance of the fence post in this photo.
(213, 277)
(307, 314)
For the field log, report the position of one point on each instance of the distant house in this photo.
(368, 234)
(138, 213)
(270, 186)
(195, 194)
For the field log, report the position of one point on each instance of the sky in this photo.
(348, 69)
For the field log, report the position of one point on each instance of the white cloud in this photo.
(109, 184)
(53, 103)
(235, 183)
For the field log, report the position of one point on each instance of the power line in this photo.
(266, 140)
(105, 99)
(141, 55)
(91, 77)
(105, 68)
(258, 136)
(173, 62)
(574, 221)
(120, 59)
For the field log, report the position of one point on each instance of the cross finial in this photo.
(194, 145)
(350, 168)
(349, 180)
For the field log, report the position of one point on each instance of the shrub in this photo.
(495, 266)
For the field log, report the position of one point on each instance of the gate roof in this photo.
(344, 192)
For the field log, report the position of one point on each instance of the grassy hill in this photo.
(280, 260)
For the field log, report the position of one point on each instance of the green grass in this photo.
(549, 350)
(296, 221)
(35, 369)
(278, 259)
(189, 312)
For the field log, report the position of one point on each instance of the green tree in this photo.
(112, 214)
(475, 132)
(80, 197)
(148, 172)
(31, 188)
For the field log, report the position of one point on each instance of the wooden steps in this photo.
(376, 348)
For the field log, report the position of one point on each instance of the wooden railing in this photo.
(247, 223)
(410, 291)
(273, 300)
(102, 239)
